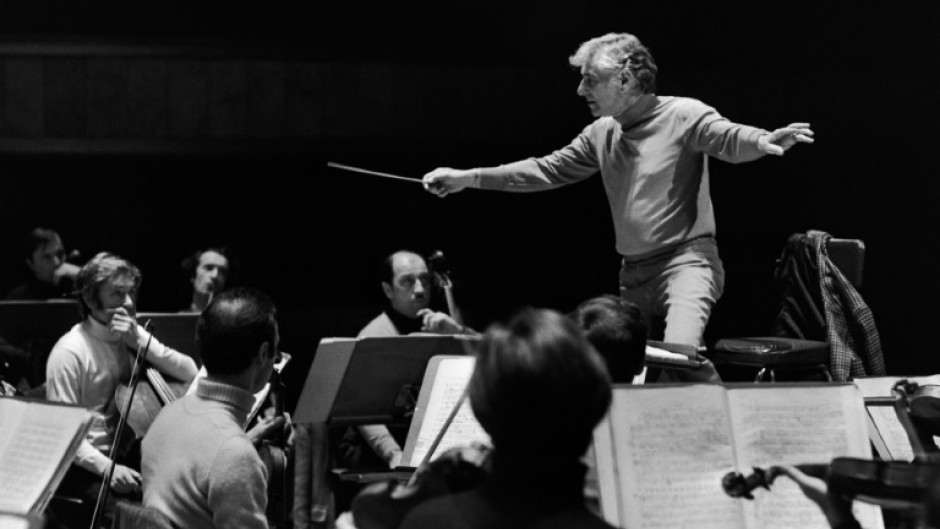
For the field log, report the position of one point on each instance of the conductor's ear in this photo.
(387, 289)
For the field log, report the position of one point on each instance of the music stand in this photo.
(370, 380)
(176, 330)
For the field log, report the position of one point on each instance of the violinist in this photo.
(538, 389)
(200, 469)
(838, 509)
(88, 363)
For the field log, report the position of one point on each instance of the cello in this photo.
(438, 264)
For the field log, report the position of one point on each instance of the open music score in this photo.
(38, 441)
(444, 382)
(664, 449)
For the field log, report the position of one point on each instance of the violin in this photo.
(897, 484)
(438, 264)
(274, 455)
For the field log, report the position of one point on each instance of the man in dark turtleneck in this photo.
(407, 285)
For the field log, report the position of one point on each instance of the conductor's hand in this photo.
(125, 480)
(438, 322)
(780, 140)
(836, 508)
(124, 323)
(444, 180)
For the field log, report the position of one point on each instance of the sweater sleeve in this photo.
(572, 163)
(167, 360)
(238, 487)
(63, 384)
(710, 133)
(381, 442)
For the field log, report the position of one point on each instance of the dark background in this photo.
(485, 83)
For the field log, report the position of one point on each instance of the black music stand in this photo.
(371, 380)
(176, 330)
(34, 327)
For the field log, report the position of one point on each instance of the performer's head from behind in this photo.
(406, 282)
(106, 283)
(617, 330)
(237, 334)
(44, 253)
(538, 388)
(615, 69)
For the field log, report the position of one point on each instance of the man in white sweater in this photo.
(87, 365)
(199, 467)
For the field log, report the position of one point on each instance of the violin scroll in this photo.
(737, 485)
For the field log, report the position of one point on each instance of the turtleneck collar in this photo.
(241, 399)
(636, 112)
(404, 324)
(100, 331)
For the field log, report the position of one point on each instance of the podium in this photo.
(356, 381)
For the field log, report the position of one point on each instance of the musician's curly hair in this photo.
(532, 375)
(614, 52)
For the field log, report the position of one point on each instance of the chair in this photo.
(770, 354)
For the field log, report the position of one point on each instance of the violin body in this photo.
(885, 483)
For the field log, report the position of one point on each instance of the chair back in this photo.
(849, 257)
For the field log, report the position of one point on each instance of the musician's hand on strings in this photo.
(124, 323)
(444, 180)
(266, 428)
(125, 480)
(438, 322)
(837, 509)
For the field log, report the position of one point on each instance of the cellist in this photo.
(89, 362)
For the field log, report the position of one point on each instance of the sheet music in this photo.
(10, 521)
(451, 379)
(679, 442)
(29, 459)
(794, 425)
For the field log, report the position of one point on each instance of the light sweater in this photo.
(87, 365)
(653, 161)
(199, 468)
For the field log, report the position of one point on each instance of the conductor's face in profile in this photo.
(410, 289)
